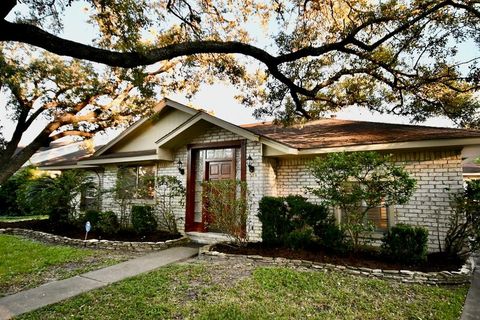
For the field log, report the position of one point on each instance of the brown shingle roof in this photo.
(326, 133)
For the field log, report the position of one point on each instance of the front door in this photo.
(214, 171)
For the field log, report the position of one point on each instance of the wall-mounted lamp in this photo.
(180, 167)
(251, 168)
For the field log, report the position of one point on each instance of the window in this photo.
(380, 217)
(136, 182)
(89, 199)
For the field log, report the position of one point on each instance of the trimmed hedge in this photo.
(405, 243)
(291, 221)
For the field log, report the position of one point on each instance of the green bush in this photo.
(108, 222)
(143, 220)
(10, 193)
(275, 218)
(282, 216)
(332, 238)
(299, 239)
(463, 234)
(405, 243)
(91, 215)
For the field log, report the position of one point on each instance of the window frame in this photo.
(390, 217)
(138, 178)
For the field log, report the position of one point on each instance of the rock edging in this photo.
(462, 276)
(94, 243)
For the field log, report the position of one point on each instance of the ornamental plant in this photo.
(225, 202)
(170, 193)
(357, 182)
(463, 235)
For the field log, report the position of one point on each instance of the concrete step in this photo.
(207, 237)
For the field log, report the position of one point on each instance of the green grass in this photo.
(193, 291)
(26, 263)
(22, 218)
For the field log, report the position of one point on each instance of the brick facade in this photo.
(438, 174)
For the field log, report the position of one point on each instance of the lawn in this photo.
(22, 218)
(200, 290)
(25, 263)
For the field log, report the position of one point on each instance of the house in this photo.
(193, 145)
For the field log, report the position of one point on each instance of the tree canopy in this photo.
(393, 56)
(69, 98)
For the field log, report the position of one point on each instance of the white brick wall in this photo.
(438, 175)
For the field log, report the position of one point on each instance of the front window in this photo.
(379, 217)
(137, 181)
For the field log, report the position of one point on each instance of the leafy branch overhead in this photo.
(313, 56)
(66, 98)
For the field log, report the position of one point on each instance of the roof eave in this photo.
(456, 142)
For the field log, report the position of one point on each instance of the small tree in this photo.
(56, 196)
(170, 192)
(123, 193)
(226, 202)
(357, 182)
(463, 235)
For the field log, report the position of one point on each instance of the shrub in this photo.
(11, 190)
(226, 202)
(276, 224)
(91, 215)
(463, 235)
(332, 238)
(170, 193)
(299, 239)
(108, 222)
(405, 243)
(143, 220)
(56, 196)
(282, 216)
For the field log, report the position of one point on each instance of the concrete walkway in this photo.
(56, 291)
(471, 310)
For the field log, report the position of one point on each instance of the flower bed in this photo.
(94, 243)
(461, 276)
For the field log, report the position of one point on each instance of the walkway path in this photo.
(471, 310)
(56, 291)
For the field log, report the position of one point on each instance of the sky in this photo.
(218, 98)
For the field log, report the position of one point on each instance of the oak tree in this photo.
(313, 56)
(67, 98)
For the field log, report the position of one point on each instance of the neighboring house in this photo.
(194, 146)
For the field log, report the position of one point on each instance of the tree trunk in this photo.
(10, 165)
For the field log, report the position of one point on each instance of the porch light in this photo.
(251, 168)
(180, 167)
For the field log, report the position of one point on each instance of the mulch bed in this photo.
(369, 259)
(76, 232)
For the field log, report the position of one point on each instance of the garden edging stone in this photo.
(461, 276)
(95, 243)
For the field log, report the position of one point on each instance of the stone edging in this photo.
(94, 243)
(462, 276)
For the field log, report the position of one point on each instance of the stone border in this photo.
(94, 243)
(462, 276)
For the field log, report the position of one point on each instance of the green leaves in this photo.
(358, 181)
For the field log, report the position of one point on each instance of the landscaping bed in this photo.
(77, 232)
(367, 258)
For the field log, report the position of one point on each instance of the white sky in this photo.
(218, 98)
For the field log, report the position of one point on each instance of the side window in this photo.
(136, 182)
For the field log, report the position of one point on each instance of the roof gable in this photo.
(198, 123)
(142, 134)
